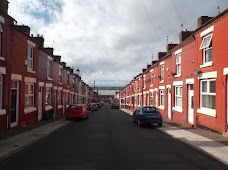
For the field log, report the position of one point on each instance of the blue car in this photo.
(147, 115)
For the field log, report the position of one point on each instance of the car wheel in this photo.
(160, 124)
(138, 123)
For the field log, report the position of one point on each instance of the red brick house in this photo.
(5, 65)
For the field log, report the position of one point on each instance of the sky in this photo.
(110, 41)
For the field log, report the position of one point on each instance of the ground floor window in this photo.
(29, 95)
(151, 99)
(208, 94)
(178, 96)
(162, 98)
(48, 97)
(59, 97)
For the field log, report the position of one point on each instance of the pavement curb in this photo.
(20, 148)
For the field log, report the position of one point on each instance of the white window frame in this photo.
(144, 82)
(206, 47)
(30, 94)
(68, 79)
(49, 69)
(30, 57)
(162, 97)
(48, 92)
(151, 98)
(207, 93)
(178, 88)
(178, 64)
(162, 72)
(59, 97)
(60, 74)
(151, 78)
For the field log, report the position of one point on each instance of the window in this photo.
(144, 82)
(30, 57)
(178, 96)
(162, 98)
(60, 74)
(151, 79)
(1, 91)
(68, 79)
(48, 97)
(67, 98)
(208, 94)
(59, 97)
(162, 72)
(49, 69)
(144, 99)
(29, 95)
(178, 64)
(206, 46)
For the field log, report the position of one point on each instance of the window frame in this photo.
(151, 78)
(207, 48)
(59, 97)
(178, 96)
(48, 93)
(162, 72)
(30, 94)
(208, 93)
(162, 97)
(49, 69)
(60, 75)
(30, 57)
(178, 64)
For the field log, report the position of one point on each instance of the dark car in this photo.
(77, 111)
(147, 115)
(93, 107)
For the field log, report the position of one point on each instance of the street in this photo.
(109, 140)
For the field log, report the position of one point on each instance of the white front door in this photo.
(190, 104)
(40, 104)
(169, 103)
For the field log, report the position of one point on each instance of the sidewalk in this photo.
(17, 139)
(211, 143)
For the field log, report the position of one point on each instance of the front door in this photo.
(40, 104)
(190, 104)
(156, 100)
(13, 117)
(169, 103)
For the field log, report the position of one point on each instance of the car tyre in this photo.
(160, 124)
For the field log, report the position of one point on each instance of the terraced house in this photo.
(34, 83)
(188, 83)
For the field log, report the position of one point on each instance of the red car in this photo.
(77, 111)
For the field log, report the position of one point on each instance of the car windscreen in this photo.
(149, 109)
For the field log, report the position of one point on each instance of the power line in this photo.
(151, 21)
(178, 14)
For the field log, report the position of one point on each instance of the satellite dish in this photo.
(197, 72)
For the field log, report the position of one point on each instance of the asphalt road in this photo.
(109, 140)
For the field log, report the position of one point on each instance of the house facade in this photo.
(188, 83)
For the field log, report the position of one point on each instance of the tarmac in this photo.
(211, 143)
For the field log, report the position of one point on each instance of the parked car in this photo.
(93, 107)
(77, 111)
(147, 115)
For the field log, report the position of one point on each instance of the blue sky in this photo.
(110, 40)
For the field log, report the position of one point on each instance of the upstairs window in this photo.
(30, 57)
(68, 79)
(151, 78)
(206, 47)
(162, 72)
(178, 64)
(60, 75)
(144, 82)
(49, 69)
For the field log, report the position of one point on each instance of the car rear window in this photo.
(76, 107)
(149, 109)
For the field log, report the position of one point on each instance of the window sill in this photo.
(31, 71)
(151, 85)
(178, 109)
(49, 78)
(60, 83)
(162, 81)
(67, 106)
(176, 76)
(29, 110)
(208, 64)
(161, 107)
(60, 106)
(48, 108)
(2, 58)
(208, 112)
(2, 112)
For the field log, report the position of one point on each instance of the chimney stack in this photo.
(169, 47)
(184, 35)
(23, 28)
(49, 50)
(39, 39)
(57, 58)
(4, 6)
(161, 55)
(202, 20)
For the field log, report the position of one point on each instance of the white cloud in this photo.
(110, 41)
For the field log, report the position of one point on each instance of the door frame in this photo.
(17, 105)
(169, 103)
(188, 109)
(39, 117)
